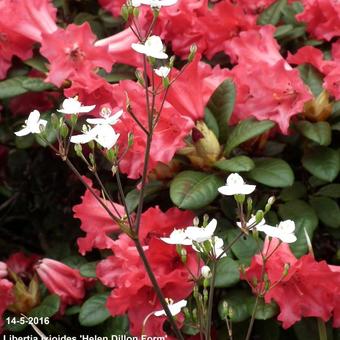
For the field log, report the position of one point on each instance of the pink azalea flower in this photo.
(95, 221)
(6, 298)
(62, 280)
(72, 51)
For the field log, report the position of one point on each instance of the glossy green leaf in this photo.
(235, 164)
(272, 14)
(246, 130)
(227, 273)
(311, 77)
(296, 191)
(88, 269)
(304, 217)
(194, 190)
(273, 172)
(327, 210)
(319, 132)
(264, 311)
(221, 105)
(330, 190)
(322, 162)
(94, 312)
(48, 307)
(211, 122)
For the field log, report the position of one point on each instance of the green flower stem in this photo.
(211, 298)
(322, 330)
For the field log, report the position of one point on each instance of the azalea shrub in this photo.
(170, 168)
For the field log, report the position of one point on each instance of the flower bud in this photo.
(54, 121)
(318, 109)
(205, 272)
(78, 150)
(140, 78)
(196, 221)
(183, 255)
(124, 12)
(206, 143)
(249, 204)
(64, 130)
(172, 61)
(259, 216)
(62, 280)
(286, 269)
(205, 295)
(193, 50)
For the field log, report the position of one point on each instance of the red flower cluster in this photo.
(310, 289)
(124, 272)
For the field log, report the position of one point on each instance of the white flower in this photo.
(199, 235)
(153, 47)
(178, 236)
(205, 272)
(235, 186)
(252, 222)
(87, 136)
(33, 124)
(153, 3)
(104, 135)
(218, 244)
(107, 117)
(163, 71)
(175, 308)
(73, 106)
(284, 231)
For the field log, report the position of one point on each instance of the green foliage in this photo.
(194, 190)
(21, 84)
(272, 14)
(48, 307)
(311, 77)
(273, 172)
(235, 164)
(322, 162)
(94, 312)
(227, 273)
(319, 132)
(244, 131)
(221, 105)
(305, 218)
(327, 210)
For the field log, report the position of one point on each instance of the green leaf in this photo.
(322, 162)
(233, 306)
(297, 190)
(235, 164)
(194, 190)
(132, 198)
(38, 63)
(319, 132)
(221, 104)
(272, 14)
(330, 190)
(273, 172)
(227, 273)
(88, 269)
(19, 85)
(72, 310)
(283, 31)
(49, 306)
(211, 122)
(118, 325)
(304, 217)
(93, 312)
(244, 248)
(264, 311)
(246, 130)
(327, 210)
(311, 77)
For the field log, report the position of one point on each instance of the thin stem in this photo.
(157, 289)
(99, 200)
(251, 324)
(211, 298)
(322, 330)
(138, 122)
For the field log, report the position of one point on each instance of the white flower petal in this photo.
(174, 308)
(23, 132)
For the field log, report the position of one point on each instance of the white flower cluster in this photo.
(284, 231)
(196, 237)
(102, 132)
